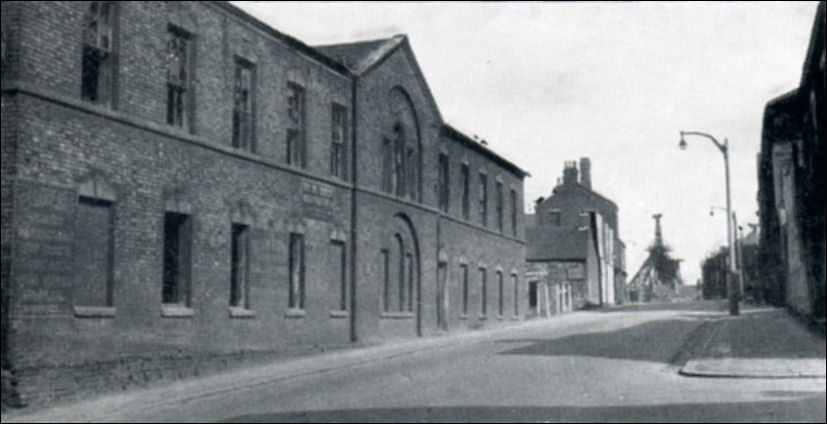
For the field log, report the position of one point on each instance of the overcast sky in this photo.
(548, 82)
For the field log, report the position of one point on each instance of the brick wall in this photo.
(58, 144)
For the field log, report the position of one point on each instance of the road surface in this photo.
(619, 365)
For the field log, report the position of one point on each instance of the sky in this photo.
(547, 82)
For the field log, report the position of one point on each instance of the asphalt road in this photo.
(588, 366)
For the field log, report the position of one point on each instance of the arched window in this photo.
(401, 148)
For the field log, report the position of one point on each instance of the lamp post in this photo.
(723, 148)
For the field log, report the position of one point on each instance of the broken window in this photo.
(240, 272)
(93, 253)
(296, 146)
(98, 63)
(178, 77)
(296, 300)
(338, 142)
(176, 282)
(243, 114)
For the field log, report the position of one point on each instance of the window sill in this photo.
(516, 319)
(295, 313)
(94, 311)
(339, 314)
(500, 317)
(397, 315)
(240, 312)
(463, 316)
(482, 317)
(176, 311)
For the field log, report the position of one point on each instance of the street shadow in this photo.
(712, 305)
(802, 407)
(657, 341)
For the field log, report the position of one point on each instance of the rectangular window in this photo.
(178, 77)
(177, 257)
(464, 183)
(410, 267)
(386, 280)
(554, 217)
(98, 64)
(296, 265)
(444, 192)
(93, 253)
(411, 167)
(240, 272)
(516, 282)
(483, 199)
(463, 275)
(514, 211)
(483, 293)
(338, 142)
(339, 271)
(296, 147)
(387, 166)
(500, 300)
(499, 204)
(399, 161)
(243, 112)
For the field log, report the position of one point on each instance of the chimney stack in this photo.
(570, 172)
(586, 173)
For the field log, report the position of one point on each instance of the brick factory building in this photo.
(184, 186)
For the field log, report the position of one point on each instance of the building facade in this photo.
(792, 188)
(183, 186)
(574, 241)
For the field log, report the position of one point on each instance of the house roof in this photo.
(360, 56)
(469, 142)
(556, 243)
(289, 40)
(578, 186)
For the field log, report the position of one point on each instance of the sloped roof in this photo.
(485, 151)
(361, 55)
(287, 39)
(556, 243)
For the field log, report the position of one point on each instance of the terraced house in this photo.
(183, 186)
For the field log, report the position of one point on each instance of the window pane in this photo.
(239, 276)
(176, 259)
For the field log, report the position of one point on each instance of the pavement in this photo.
(136, 401)
(478, 375)
(759, 343)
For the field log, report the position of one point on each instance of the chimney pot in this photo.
(570, 172)
(586, 173)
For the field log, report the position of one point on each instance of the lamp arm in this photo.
(721, 146)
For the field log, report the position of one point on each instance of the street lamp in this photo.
(723, 148)
(739, 249)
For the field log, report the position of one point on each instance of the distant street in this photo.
(618, 365)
